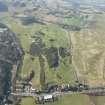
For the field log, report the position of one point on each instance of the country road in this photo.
(92, 91)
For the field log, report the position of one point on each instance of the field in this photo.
(88, 57)
(66, 100)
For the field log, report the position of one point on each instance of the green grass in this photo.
(65, 70)
(51, 32)
(27, 101)
(70, 21)
(75, 99)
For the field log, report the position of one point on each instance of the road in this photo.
(92, 91)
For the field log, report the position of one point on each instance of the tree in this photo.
(42, 72)
(36, 49)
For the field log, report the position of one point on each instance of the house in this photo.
(46, 98)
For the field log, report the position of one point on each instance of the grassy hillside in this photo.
(51, 32)
(88, 57)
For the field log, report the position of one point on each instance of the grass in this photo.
(70, 21)
(69, 100)
(51, 32)
(82, 50)
(65, 70)
(61, 39)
